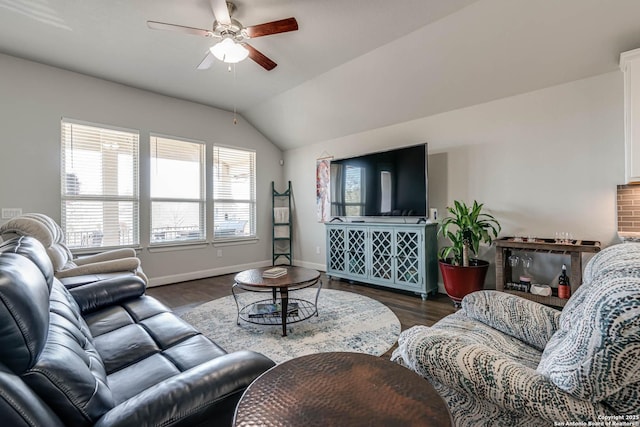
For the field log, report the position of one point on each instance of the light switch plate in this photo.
(8, 213)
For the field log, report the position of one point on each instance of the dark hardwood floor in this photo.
(410, 308)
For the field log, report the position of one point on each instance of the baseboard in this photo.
(311, 265)
(203, 274)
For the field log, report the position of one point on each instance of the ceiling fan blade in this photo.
(207, 62)
(259, 58)
(221, 11)
(154, 25)
(275, 27)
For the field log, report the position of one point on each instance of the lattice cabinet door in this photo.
(336, 249)
(400, 256)
(357, 251)
(381, 250)
(409, 257)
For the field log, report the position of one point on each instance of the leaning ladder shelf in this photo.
(282, 221)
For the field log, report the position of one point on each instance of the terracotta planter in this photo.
(460, 281)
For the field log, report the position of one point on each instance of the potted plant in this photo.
(466, 228)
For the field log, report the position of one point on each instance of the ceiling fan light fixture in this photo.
(229, 51)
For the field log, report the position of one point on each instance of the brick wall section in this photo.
(629, 208)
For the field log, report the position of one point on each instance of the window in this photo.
(385, 191)
(354, 191)
(234, 193)
(177, 190)
(99, 185)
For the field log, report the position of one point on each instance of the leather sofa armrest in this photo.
(206, 393)
(105, 256)
(110, 266)
(93, 296)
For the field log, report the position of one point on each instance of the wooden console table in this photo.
(575, 249)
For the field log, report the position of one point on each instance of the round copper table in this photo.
(296, 278)
(340, 389)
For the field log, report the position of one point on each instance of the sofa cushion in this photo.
(20, 407)
(45, 230)
(143, 343)
(24, 312)
(595, 354)
(530, 322)
(623, 257)
(28, 226)
(32, 249)
(80, 395)
(473, 332)
(59, 257)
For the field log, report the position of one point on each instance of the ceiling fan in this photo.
(233, 46)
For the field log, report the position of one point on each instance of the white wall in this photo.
(33, 99)
(541, 162)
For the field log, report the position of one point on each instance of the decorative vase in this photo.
(460, 281)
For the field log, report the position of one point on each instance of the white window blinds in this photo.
(177, 190)
(234, 193)
(99, 185)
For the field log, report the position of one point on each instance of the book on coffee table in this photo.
(272, 310)
(274, 272)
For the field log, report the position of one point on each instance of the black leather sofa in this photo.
(105, 354)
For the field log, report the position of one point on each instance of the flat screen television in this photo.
(388, 183)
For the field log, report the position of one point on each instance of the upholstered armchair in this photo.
(502, 360)
(72, 271)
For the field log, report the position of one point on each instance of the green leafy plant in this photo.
(466, 228)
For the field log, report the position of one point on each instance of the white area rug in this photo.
(346, 322)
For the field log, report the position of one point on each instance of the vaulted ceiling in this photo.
(352, 66)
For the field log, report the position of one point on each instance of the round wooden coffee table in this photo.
(279, 287)
(341, 389)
